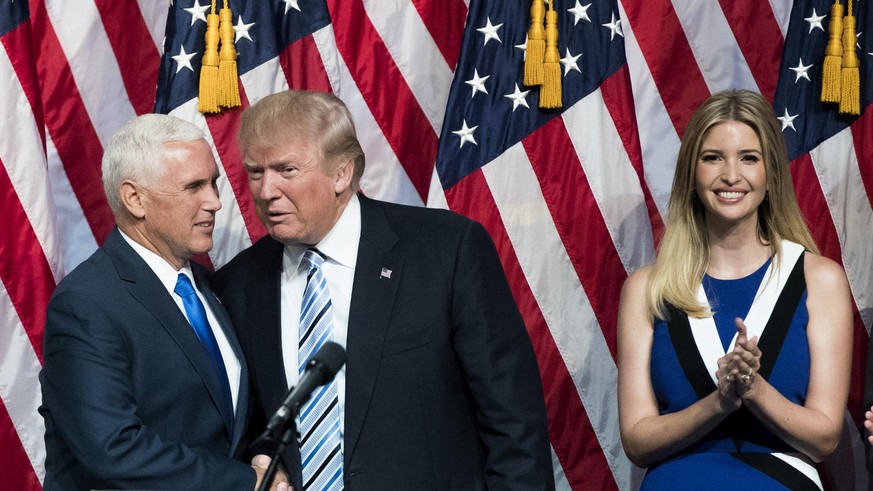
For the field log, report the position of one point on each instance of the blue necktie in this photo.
(197, 319)
(320, 449)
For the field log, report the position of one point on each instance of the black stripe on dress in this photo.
(770, 342)
(741, 425)
(774, 335)
(686, 351)
(779, 470)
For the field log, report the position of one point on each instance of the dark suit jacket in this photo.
(442, 386)
(868, 401)
(131, 399)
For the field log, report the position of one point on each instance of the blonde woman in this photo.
(734, 348)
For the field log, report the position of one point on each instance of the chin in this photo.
(202, 248)
(286, 239)
(285, 236)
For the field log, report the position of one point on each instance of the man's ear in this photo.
(343, 176)
(132, 198)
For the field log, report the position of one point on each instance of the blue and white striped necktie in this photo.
(320, 449)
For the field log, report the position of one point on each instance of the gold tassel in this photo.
(550, 93)
(850, 77)
(536, 45)
(830, 83)
(208, 102)
(228, 88)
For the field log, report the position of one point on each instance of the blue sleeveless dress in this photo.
(740, 453)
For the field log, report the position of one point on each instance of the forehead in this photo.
(292, 150)
(187, 159)
(197, 147)
(731, 132)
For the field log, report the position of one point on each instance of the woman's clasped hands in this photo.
(737, 373)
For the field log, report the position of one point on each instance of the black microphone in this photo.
(320, 370)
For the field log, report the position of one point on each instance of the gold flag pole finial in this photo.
(228, 86)
(536, 45)
(850, 77)
(550, 93)
(830, 83)
(208, 99)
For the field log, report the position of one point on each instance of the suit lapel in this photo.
(378, 273)
(263, 305)
(226, 326)
(147, 289)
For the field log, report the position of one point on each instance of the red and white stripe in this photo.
(567, 239)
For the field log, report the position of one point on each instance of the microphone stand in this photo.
(320, 370)
(283, 443)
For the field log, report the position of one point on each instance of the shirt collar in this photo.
(340, 245)
(165, 272)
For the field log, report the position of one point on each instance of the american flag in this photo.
(574, 198)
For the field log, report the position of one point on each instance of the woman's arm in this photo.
(815, 427)
(647, 436)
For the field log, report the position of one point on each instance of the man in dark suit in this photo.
(441, 389)
(867, 431)
(144, 382)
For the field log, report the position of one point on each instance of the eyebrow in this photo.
(745, 150)
(196, 183)
(270, 165)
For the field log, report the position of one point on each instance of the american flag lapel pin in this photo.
(386, 273)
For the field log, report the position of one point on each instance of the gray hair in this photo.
(134, 152)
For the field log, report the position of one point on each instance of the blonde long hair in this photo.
(683, 256)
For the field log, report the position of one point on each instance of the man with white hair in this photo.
(144, 383)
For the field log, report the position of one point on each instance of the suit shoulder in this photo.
(256, 253)
(422, 221)
(91, 285)
(92, 273)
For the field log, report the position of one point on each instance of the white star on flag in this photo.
(478, 83)
(490, 31)
(787, 120)
(197, 11)
(292, 4)
(523, 48)
(183, 59)
(569, 62)
(580, 12)
(466, 134)
(518, 98)
(800, 70)
(815, 21)
(614, 26)
(242, 30)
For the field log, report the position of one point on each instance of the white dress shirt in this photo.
(168, 276)
(340, 246)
